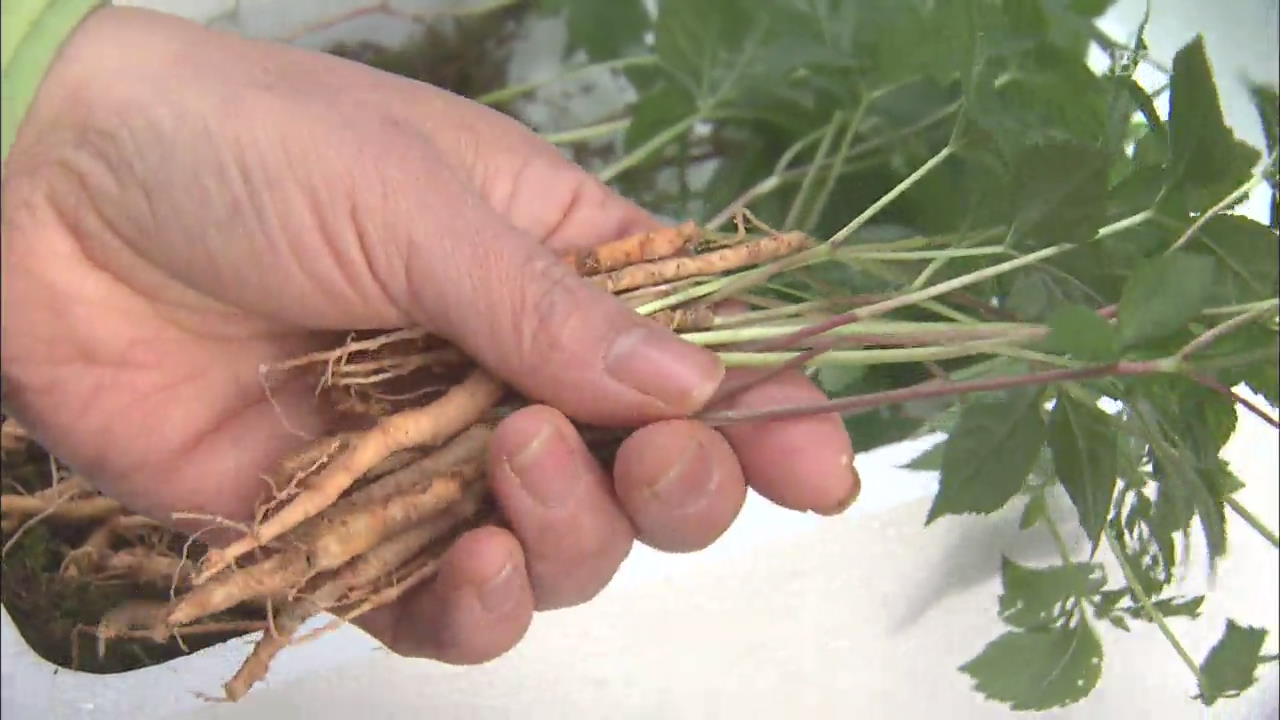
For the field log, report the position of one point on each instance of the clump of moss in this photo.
(52, 610)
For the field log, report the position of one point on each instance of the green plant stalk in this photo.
(934, 267)
(806, 185)
(856, 358)
(1253, 520)
(993, 271)
(777, 179)
(501, 95)
(1259, 174)
(1005, 331)
(653, 145)
(589, 132)
(911, 255)
(884, 200)
(1153, 613)
(842, 156)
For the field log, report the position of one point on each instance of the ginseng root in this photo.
(734, 257)
(461, 407)
(653, 245)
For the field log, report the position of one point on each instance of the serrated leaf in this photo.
(1038, 670)
(1267, 102)
(1081, 333)
(1188, 607)
(989, 454)
(1229, 668)
(1264, 379)
(1248, 255)
(1059, 193)
(1038, 597)
(1163, 295)
(929, 460)
(1082, 439)
(1206, 157)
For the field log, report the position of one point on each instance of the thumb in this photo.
(511, 304)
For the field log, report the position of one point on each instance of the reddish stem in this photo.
(860, 403)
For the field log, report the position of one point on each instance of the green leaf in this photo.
(1207, 159)
(604, 31)
(1040, 669)
(1059, 193)
(1083, 334)
(1229, 668)
(1083, 441)
(1264, 379)
(1163, 295)
(1040, 597)
(989, 454)
(1267, 102)
(1188, 607)
(1248, 254)
(659, 109)
(930, 460)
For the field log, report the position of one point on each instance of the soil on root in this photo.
(56, 613)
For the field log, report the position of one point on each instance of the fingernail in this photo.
(845, 503)
(688, 482)
(497, 595)
(546, 469)
(656, 363)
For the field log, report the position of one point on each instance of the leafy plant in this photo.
(1039, 259)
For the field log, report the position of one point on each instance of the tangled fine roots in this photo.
(356, 519)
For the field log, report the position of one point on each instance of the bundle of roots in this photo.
(358, 518)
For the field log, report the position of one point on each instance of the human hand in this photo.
(182, 206)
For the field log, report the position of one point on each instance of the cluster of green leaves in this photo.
(823, 106)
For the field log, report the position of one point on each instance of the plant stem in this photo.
(1209, 337)
(502, 95)
(842, 156)
(891, 195)
(942, 330)
(876, 356)
(590, 132)
(1153, 613)
(774, 181)
(934, 389)
(806, 185)
(907, 255)
(1226, 202)
(1253, 520)
(654, 144)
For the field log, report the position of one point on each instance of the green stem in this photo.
(778, 178)
(1006, 331)
(1153, 613)
(907, 255)
(590, 132)
(806, 185)
(855, 358)
(1253, 520)
(501, 95)
(842, 156)
(993, 271)
(892, 195)
(653, 145)
(1259, 174)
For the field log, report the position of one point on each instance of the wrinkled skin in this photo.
(182, 206)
